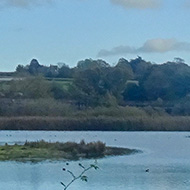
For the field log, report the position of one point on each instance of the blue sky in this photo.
(67, 31)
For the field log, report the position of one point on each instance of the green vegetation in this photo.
(38, 151)
(95, 83)
(101, 123)
(132, 95)
(50, 114)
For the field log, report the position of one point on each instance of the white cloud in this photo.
(117, 51)
(150, 46)
(137, 4)
(158, 45)
(22, 3)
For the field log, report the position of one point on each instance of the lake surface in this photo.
(166, 154)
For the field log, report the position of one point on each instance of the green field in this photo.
(62, 82)
(11, 86)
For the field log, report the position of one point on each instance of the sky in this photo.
(54, 31)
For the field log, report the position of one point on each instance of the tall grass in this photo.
(35, 107)
(101, 123)
(48, 114)
(52, 107)
(89, 149)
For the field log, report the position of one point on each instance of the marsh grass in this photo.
(35, 107)
(99, 123)
(41, 150)
(48, 114)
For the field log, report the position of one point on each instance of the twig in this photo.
(80, 176)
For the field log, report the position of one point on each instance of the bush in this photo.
(36, 107)
(31, 87)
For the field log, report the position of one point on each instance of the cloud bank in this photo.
(23, 3)
(150, 46)
(137, 4)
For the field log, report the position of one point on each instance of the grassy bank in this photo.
(48, 114)
(100, 123)
(38, 151)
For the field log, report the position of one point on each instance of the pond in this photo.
(165, 154)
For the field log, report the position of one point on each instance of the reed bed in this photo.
(100, 123)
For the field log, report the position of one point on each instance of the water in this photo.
(166, 154)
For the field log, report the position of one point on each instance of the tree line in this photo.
(136, 79)
(95, 83)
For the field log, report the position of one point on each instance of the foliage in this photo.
(65, 72)
(126, 67)
(82, 149)
(91, 64)
(133, 92)
(31, 87)
(169, 81)
(41, 150)
(82, 176)
(35, 107)
(94, 83)
(140, 67)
